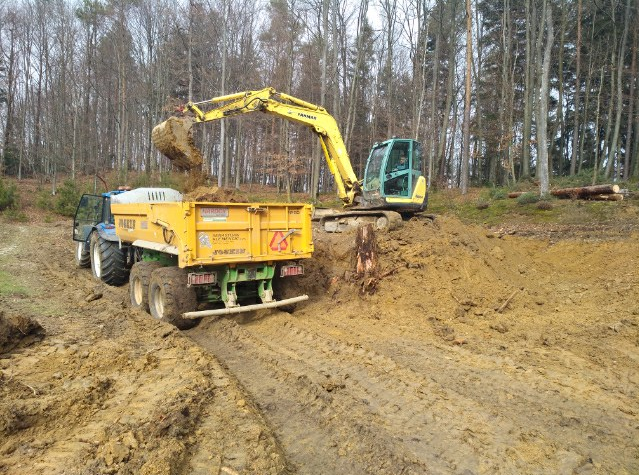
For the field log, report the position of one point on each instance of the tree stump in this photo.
(366, 245)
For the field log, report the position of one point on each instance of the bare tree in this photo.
(542, 104)
(466, 139)
(614, 150)
(577, 94)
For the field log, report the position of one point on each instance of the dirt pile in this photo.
(17, 330)
(441, 264)
(102, 403)
(215, 194)
(448, 267)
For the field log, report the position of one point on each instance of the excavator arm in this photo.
(173, 137)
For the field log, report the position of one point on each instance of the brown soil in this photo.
(477, 351)
(174, 139)
(215, 194)
(18, 330)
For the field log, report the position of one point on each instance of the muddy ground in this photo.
(477, 352)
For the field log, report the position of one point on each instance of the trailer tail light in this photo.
(202, 278)
(288, 271)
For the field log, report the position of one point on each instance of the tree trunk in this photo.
(505, 67)
(559, 123)
(420, 71)
(584, 191)
(542, 116)
(582, 126)
(575, 132)
(336, 109)
(478, 73)
(390, 16)
(607, 149)
(615, 149)
(598, 140)
(529, 88)
(239, 153)
(433, 107)
(466, 141)
(635, 146)
(316, 156)
(450, 90)
(631, 102)
(222, 164)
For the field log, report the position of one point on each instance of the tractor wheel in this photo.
(108, 261)
(82, 256)
(139, 283)
(169, 297)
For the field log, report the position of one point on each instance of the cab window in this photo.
(398, 159)
(374, 167)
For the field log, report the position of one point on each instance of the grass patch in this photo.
(15, 215)
(481, 209)
(8, 196)
(9, 287)
(527, 198)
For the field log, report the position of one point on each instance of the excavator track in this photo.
(382, 220)
(174, 139)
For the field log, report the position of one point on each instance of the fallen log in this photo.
(585, 191)
(610, 197)
(516, 194)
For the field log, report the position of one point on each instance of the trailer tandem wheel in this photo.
(169, 297)
(139, 281)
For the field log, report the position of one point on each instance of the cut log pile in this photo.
(595, 192)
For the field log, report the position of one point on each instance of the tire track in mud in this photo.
(315, 418)
(413, 422)
(553, 403)
(410, 407)
(414, 407)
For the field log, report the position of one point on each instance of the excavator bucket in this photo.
(174, 139)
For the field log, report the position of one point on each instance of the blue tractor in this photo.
(97, 245)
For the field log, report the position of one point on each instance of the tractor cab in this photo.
(92, 211)
(394, 176)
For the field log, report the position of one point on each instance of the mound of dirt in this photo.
(18, 330)
(422, 254)
(453, 269)
(218, 195)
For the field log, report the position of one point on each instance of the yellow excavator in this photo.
(393, 183)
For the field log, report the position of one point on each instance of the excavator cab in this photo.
(394, 176)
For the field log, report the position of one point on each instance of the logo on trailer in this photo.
(278, 243)
(214, 214)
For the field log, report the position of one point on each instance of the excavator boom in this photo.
(390, 186)
(173, 138)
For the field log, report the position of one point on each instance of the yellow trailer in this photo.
(207, 233)
(185, 255)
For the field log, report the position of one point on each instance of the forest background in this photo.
(498, 92)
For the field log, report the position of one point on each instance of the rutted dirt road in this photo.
(478, 352)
